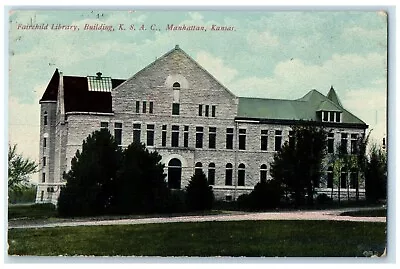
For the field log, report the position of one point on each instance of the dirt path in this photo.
(293, 215)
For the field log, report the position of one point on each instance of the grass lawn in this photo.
(381, 212)
(35, 211)
(231, 238)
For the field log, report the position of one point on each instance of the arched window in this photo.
(45, 118)
(263, 173)
(211, 174)
(241, 174)
(175, 104)
(174, 174)
(228, 174)
(198, 169)
(329, 180)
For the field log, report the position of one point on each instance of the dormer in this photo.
(329, 112)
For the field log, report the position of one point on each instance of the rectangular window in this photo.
(43, 177)
(343, 144)
(150, 134)
(137, 106)
(242, 139)
(103, 125)
(264, 139)
(44, 142)
(278, 140)
(144, 107)
(291, 139)
(337, 116)
(325, 115)
(343, 180)
(175, 109)
(211, 176)
(118, 133)
(45, 120)
(199, 137)
(175, 136)
(44, 161)
(353, 180)
(229, 138)
(206, 112)
(151, 107)
(136, 133)
(329, 183)
(213, 111)
(41, 195)
(200, 110)
(331, 116)
(331, 142)
(164, 136)
(212, 135)
(186, 136)
(353, 145)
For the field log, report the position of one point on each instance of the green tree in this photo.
(141, 186)
(354, 161)
(199, 195)
(19, 170)
(91, 182)
(376, 175)
(25, 195)
(297, 165)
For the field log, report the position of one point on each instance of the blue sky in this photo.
(270, 54)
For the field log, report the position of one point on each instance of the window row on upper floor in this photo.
(266, 137)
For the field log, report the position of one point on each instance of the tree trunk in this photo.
(357, 187)
(348, 187)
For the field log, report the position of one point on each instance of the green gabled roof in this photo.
(333, 97)
(272, 109)
(304, 108)
(328, 106)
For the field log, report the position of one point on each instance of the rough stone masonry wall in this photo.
(48, 132)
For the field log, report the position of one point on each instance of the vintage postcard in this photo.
(192, 133)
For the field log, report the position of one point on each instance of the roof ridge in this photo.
(262, 98)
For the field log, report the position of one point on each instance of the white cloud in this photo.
(369, 104)
(367, 35)
(216, 67)
(196, 16)
(262, 40)
(293, 76)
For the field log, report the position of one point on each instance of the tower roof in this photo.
(77, 96)
(333, 97)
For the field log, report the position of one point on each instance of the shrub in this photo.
(199, 195)
(323, 199)
(176, 202)
(90, 186)
(264, 196)
(140, 182)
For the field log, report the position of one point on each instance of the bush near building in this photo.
(106, 180)
(140, 185)
(199, 195)
(266, 195)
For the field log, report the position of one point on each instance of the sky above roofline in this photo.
(279, 55)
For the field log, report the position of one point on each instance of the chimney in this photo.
(60, 99)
